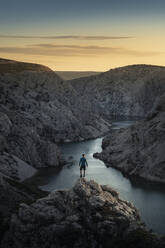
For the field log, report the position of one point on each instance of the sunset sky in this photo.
(83, 35)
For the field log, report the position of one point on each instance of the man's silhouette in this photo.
(83, 164)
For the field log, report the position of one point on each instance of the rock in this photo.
(139, 149)
(125, 91)
(88, 215)
(12, 193)
(15, 168)
(96, 155)
(5, 124)
(110, 190)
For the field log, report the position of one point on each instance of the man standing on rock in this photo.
(83, 164)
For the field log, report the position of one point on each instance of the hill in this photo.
(8, 66)
(125, 91)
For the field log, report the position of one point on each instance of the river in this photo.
(148, 198)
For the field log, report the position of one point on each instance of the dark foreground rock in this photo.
(140, 149)
(88, 215)
(12, 193)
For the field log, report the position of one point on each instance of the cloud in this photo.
(76, 50)
(74, 37)
(56, 46)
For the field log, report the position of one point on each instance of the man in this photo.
(83, 164)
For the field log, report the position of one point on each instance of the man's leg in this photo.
(84, 172)
(80, 172)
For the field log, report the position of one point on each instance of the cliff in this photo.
(139, 149)
(125, 91)
(88, 215)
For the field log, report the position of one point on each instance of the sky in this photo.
(86, 35)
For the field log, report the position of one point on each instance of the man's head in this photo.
(83, 155)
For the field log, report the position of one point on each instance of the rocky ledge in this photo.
(88, 215)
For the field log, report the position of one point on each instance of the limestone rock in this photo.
(88, 215)
(5, 124)
(139, 149)
(125, 91)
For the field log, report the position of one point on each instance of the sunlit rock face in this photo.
(139, 149)
(12, 66)
(88, 215)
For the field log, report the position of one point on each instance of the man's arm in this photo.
(80, 162)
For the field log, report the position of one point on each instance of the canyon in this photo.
(39, 110)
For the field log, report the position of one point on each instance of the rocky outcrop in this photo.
(125, 91)
(88, 215)
(139, 149)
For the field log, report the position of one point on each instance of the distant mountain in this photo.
(7, 65)
(68, 75)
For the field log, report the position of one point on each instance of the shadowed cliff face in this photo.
(88, 215)
(139, 150)
(127, 91)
